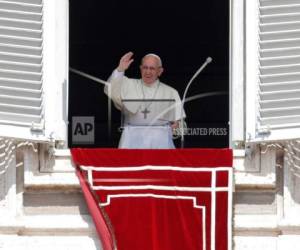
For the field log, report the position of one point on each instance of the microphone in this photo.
(207, 61)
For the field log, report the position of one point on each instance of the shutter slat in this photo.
(277, 95)
(34, 42)
(20, 83)
(265, 53)
(24, 7)
(12, 14)
(281, 112)
(279, 44)
(280, 103)
(273, 10)
(20, 32)
(20, 50)
(280, 120)
(19, 58)
(279, 78)
(281, 69)
(279, 35)
(279, 86)
(25, 1)
(293, 17)
(18, 109)
(22, 24)
(22, 75)
(280, 27)
(20, 92)
(25, 119)
(23, 101)
(276, 61)
(5, 65)
(278, 2)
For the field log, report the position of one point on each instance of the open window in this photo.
(184, 35)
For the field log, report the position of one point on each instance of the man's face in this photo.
(150, 69)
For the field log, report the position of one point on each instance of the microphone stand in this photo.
(207, 61)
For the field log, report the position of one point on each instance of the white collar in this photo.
(152, 85)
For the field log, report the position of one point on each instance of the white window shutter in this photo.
(275, 93)
(21, 69)
(34, 69)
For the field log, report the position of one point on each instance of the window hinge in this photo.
(264, 131)
(37, 127)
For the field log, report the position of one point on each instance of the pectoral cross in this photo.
(145, 112)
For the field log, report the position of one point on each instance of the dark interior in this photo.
(183, 33)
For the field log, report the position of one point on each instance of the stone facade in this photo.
(42, 205)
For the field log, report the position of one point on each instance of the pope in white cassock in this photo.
(151, 110)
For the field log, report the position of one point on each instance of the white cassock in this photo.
(147, 111)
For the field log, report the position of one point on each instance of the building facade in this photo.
(40, 201)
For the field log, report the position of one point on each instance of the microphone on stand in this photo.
(207, 61)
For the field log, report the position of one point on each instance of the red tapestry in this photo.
(178, 199)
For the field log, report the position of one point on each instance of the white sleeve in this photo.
(115, 90)
(115, 74)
